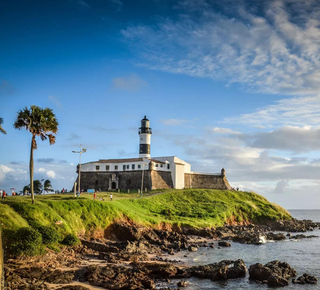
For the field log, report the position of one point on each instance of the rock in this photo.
(224, 244)
(305, 279)
(259, 272)
(182, 284)
(277, 281)
(302, 236)
(275, 237)
(226, 269)
(192, 249)
(73, 287)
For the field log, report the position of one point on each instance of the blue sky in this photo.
(231, 84)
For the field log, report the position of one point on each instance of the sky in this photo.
(225, 84)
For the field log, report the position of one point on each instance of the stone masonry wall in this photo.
(161, 179)
(152, 180)
(206, 181)
(126, 180)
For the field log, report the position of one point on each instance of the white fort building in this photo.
(146, 171)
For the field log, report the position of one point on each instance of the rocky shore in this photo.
(135, 257)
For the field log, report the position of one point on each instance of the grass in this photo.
(191, 207)
(86, 216)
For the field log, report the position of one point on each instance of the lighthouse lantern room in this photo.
(145, 138)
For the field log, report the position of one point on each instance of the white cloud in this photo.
(219, 130)
(281, 185)
(3, 171)
(275, 51)
(130, 83)
(289, 138)
(302, 111)
(51, 174)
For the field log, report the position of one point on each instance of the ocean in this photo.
(303, 255)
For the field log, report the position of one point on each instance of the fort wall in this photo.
(196, 180)
(152, 179)
(161, 179)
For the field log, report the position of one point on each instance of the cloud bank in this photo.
(266, 46)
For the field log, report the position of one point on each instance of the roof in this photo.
(157, 161)
(117, 160)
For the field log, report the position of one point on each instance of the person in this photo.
(111, 196)
(94, 195)
(4, 194)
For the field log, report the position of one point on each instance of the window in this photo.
(116, 167)
(133, 166)
(128, 166)
(97, 167)
(139, 166)
(161, 165)
(168, 166)
(124, 167)
(107, 167)
(157, 165)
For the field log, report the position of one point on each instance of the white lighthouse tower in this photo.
(145, 138)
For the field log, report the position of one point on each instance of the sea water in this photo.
(303, 255)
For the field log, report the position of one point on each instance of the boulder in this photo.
(182, 284)
(277, 281)
(305, 279)
(224, 244)
(192, 249)
(262, 273)
(226, 269)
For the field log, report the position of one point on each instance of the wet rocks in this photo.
(294, 225)
(226, 269)
(192, 249)
(224, 244)
(302, 236)
(73, 287)
(305, 279)
(272, 272)
(277, 281)
(275, 237)
(182, 284)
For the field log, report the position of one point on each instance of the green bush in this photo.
(26, 241)
(70, 240)
(49, 235)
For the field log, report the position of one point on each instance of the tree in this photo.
(26, 188)
(37, 186)
(1, 129)
(39, 122)
(47, 184)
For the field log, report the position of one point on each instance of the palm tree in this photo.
(47, 184)
(39, 122)
(1, 129)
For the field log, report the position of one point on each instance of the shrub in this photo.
(70, 240)
(49, 235)
(26, 241)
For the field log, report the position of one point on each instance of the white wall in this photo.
(179, 176)
(102, 166)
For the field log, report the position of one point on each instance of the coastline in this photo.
(147, 259)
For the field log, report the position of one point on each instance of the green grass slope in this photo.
(191, 207)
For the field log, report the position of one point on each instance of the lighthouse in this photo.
(145, 138)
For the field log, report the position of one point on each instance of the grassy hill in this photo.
(191, 207)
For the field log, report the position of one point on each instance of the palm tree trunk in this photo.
(31, 170)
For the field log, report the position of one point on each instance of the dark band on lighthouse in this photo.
(145, 138)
